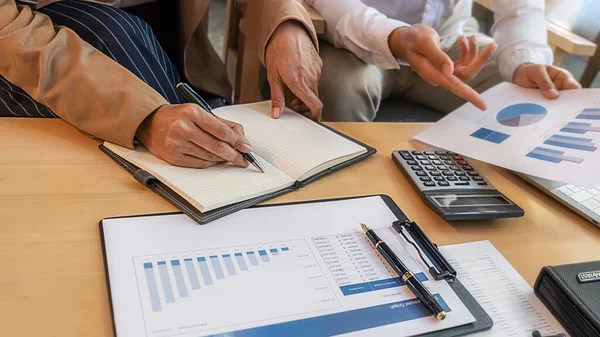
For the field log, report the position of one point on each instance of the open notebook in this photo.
(292, 150)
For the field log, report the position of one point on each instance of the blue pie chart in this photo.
(519, 115)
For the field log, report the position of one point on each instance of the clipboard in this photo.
(443, 269)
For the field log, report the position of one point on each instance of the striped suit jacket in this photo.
(95, 94)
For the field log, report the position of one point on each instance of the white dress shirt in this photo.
(363, 26)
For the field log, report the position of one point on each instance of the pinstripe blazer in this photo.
(92, 92)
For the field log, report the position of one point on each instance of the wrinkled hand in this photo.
(293, 62)
(418, 45)
(549, 79)
(186, 135)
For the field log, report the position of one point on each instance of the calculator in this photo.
(452, 187)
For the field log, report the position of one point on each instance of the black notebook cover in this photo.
(205, 217)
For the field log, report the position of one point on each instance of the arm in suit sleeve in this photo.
(79, 83)
(262, 17)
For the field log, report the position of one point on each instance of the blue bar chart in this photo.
(589, 114)
(579, 128)
(491, 136)
(553, 156)
(576, 143)
(168, 280)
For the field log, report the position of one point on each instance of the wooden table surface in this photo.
(56, 185)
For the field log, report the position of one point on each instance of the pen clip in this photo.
(440, 268)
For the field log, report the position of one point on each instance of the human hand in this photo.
(471, 60)
(549, 79)
(418, 45)
(186, 135)
(293, 62)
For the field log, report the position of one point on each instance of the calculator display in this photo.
(453, 200)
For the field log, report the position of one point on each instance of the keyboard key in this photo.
(420, 157)
(591, 204)
(412, 162)
(425, 162)
(417, 152)
(429, 183)
(462, 162)
(478, 178)
(429, 153)
(473, 173)
(442, 167)
(432, 157)
(425, 179)
(574, 188)
(421, 173)
(597, 198)
(462, 184)
(430, 168)
(594, 191)
(406, 155)
(467, 168)
(416, 168)
(464, 178)
(452, 178)
(457, 158)
(435, 173)
(460, 173)
(482, 183)
(440, 153)
(565, 190)
(444, 157)
(454, 168)
(439, 178)
(443, 183)
(448, 162)
(581, 196)
(437, 162)
(448, 173)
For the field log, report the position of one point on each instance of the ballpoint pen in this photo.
(192, 97)
(407, 276)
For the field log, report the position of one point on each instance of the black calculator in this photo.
(452, 187)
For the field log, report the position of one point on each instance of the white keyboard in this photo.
(587, 197)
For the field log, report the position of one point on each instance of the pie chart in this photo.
(519, 115)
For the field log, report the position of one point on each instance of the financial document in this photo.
(525, 132)
(501, 291)
(296, 270)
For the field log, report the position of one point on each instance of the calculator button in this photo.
(430, 168)
(448, 173)
(462, 162)
(417, 152)
(483, 183)
(457, 158)
(425, 162)
(416, 168)
(435, 173)
(467, 168)
(437, 162)
(459, 173)
(444, 157)
(452, 178)
(461, 184)
(440, 153)
(454, 168)
(429, 153)
(429, 183)
(443, 183)
(464, 178)
(442, 167)
(478, 178)
(412, 162)
(406, 155)
(425, 178)
(420, 157)
(448, 162)
(472, 173)
(432, 157)
(439, 178)
(450, 153)
(421, 173)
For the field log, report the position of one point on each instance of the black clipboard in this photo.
(482, 320)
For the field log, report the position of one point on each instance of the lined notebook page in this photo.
(210, 188)
(292, 143)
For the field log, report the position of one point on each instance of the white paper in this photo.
(500, 290)
(325, 264)
(553, 139)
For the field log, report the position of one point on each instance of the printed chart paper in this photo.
(523, 131)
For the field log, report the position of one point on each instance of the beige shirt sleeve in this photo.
(79, 83)
(264, 16)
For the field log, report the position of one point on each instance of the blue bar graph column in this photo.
(552, 156)
(263, 255)
(274, 251)
(241, 262)
(191, 271)
(580, 128)
(252, 258)
(166, 282)
(284, 249)
(577, 143)
(204, 271)
(229, 264)
(181, 288)
(214, 260)
(590, 114)
(152, 287)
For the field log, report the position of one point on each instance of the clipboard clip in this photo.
(440, 268)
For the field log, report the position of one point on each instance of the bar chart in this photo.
(577, 143)
(579, 128)
(171, 285)
(553, 156)
(491, 136)
(589, 114)
(357, 267)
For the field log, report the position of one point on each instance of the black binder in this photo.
(176, 200)
(441, 269)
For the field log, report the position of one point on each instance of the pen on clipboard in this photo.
(192, 97)
(407, 276)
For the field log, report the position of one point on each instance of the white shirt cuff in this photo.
(509, 61)
(378, 34)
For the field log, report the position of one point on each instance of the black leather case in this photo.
(574, 303)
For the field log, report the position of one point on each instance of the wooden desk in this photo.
(56, 185)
